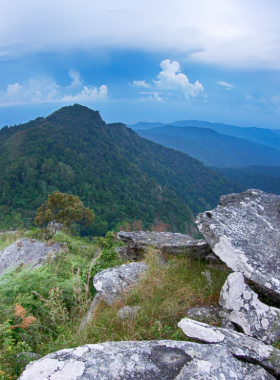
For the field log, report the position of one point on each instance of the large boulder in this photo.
(29, 252)
(243, 308)
(172, 243)
(244, 232)
(240, 345)
(150, 360)
(111, 283)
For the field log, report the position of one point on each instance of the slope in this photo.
(213, 148)
(266, 178)
(75, 151)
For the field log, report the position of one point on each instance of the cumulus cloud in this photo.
(171, 78)
(151, 96)
(76, 78)
(48, 91)
(140, 83)
(172, 82)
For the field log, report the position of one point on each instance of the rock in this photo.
(247, 312)
(128, 312)
(28, 252)
(149, 360)
(240, 345)
(167, 242)
(244, 232)
(111, 283)
(211, 313)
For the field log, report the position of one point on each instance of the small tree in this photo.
(62, 210)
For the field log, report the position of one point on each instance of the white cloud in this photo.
(225, 84)
(140, 83)
(76, 78)
(152, 96)
(87, 94)
(172, 82)
(232, 33)
(171, 78)
(48, 91)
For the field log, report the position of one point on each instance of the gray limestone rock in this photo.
(150, 360)
(243, 232)
(28, 252)
(243, 308)
(211, 313)
(240, 345)
(110, 283)
(128, 312)
(170, 243)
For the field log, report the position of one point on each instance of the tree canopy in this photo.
(62, 210)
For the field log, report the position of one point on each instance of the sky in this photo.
(217, 60)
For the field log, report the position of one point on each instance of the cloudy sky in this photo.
(156, 60)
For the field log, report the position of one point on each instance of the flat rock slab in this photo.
(150, 360)
(240, 345)
(28, 252)
(244, 232)
(111, 283)
(167, 242)
(243, 308)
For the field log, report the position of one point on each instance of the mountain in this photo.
(265, 136)
(144, 125)
(266, 178)
(118, 174)
(213, 148)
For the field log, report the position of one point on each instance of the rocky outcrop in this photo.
(243, 231)
(150, 360)
(111, 283)
(239, 345)
(28, 252)
(171, 243)
(243, 308)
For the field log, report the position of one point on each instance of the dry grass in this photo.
(164, 294)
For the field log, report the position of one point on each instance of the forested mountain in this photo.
(266, 178)
(118, 174)
(213, 148)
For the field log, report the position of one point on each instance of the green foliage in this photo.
(56, 294)
(62, 210)
(116, 173)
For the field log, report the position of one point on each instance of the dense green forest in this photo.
(121, 176)
(266, 178)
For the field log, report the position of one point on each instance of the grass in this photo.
(58, 295)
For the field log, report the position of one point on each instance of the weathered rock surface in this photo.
(28, 252)
(243, 308)
(171, 243)
(240, 345)
(211, 313)
(244, 232)
(110, 283)
(128, 312)
(150, 360)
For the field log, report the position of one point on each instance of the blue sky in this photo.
(137, 61)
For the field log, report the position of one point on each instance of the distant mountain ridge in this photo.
(118, 174)
(213, 148)
(265, 136)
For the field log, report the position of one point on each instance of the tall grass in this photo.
(58, 295)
